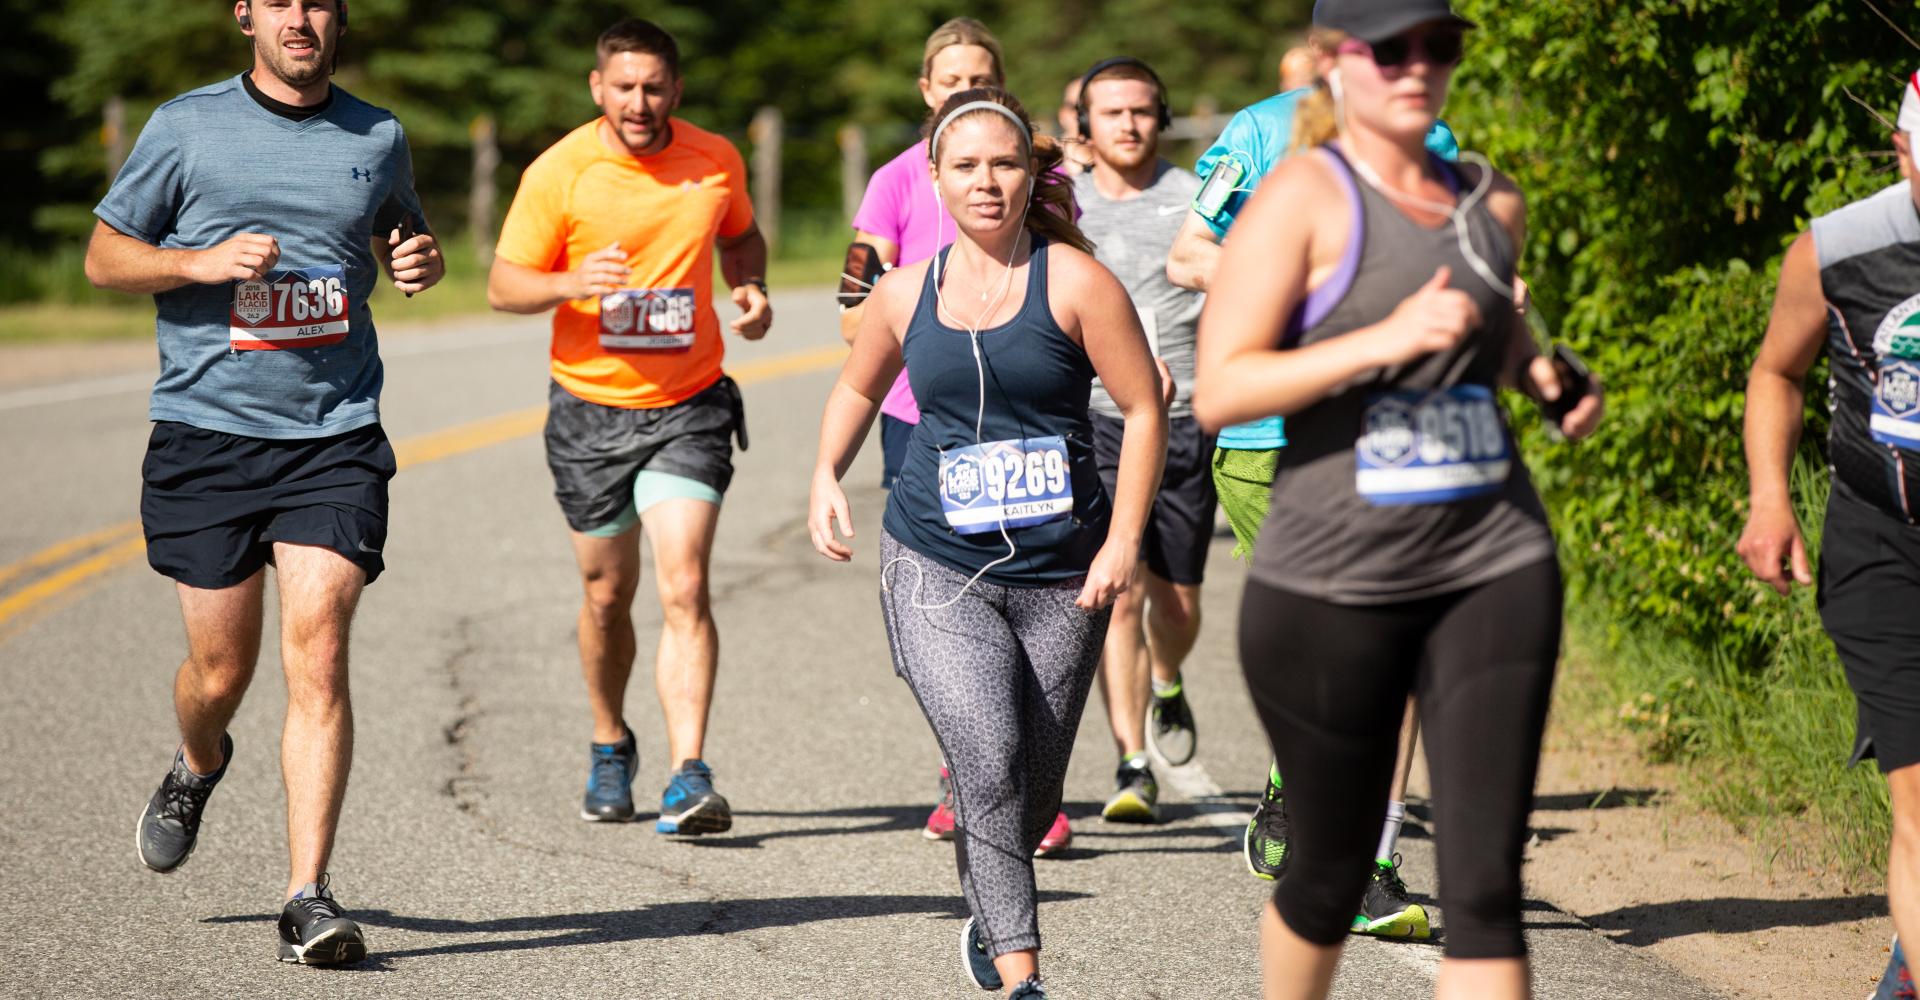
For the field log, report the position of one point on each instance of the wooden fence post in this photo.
(765, 135)
(480, 194)
(853, 168)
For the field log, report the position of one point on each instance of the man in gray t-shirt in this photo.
(257, 212)
(1132, 203)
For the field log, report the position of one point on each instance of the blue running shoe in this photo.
(974, 959)
(690, 806)
(610, 782)
(1897, 982)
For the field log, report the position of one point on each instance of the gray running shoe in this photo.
(313, 931)
(1170, 731)
(609, 797)
(1030, 988)
(170, 824)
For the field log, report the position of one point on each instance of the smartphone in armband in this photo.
(1220, 186)
(1576, 381)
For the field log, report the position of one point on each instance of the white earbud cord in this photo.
(1456, 214)
(980, 370)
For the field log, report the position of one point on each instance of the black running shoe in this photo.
(170, 824)
(1268, 834)
(1170, 730)
(313, 931)
(1385, 910)
(974, 959)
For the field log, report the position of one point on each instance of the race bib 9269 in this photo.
(1018, 483)
(647, 319)
(301, 307)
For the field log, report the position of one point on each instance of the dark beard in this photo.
(295, 74)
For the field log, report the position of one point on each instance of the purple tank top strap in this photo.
(1321, 300)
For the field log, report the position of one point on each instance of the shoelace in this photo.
(609, 770)
(182, 802)
(1390, 875)
(317, 907)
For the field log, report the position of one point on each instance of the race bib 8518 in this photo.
(1431, 447)
(1019, 483)
(647, 319)
(302, 307)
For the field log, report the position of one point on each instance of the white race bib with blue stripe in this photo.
(1896, 404)
(1431, 447)
(1019, 483)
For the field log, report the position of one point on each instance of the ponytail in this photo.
(1316, 118)
(1050, 210)
(1051, 213)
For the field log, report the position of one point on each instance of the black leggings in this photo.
(1331, 681)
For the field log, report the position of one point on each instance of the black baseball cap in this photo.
(1377, 20)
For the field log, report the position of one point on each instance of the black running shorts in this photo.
(212, 504)
(1869, 588)
(595, 451)
(1180, 525)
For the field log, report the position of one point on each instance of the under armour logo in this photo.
(363, 175)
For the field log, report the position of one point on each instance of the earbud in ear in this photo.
(246, 22)
(1333, 84)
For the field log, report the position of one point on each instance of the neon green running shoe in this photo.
(1265, 844)
(1385, 910)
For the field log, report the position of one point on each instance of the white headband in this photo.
(1018, 125)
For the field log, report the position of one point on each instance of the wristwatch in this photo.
(760, 283)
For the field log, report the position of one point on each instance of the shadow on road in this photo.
(1606, 798)
(1654, 922)
(661, 920)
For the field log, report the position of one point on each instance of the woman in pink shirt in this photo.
(900, 218)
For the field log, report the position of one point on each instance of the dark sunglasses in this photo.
(1440, 46)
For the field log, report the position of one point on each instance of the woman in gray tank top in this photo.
(1366, 296)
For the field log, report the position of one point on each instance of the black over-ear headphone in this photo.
(246, 19)
(1160, 89)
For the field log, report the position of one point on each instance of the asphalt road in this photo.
(460, 849)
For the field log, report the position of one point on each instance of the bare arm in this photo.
(864, 379)
(1195, 254)
(1110, 331)
(517, 288)
(125, 264)
(1771, 543)
(889, 254)
(1296, 215)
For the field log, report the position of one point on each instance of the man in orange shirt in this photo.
(614, 228)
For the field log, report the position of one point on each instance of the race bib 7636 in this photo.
(300, 307)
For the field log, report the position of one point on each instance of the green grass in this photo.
(45, 297)
(1765, 748)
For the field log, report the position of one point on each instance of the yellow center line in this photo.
(413, 451)
(62, 551)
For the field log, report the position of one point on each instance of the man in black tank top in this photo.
(1852, 282)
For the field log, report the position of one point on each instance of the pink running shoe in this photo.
(940, 821)
(1059, 835)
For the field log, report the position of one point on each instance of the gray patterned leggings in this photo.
(1002, 675)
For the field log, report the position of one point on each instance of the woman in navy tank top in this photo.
(1001, 552)
(1367, 296)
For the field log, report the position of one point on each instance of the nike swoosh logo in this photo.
(1170, 209)
(363, 547)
